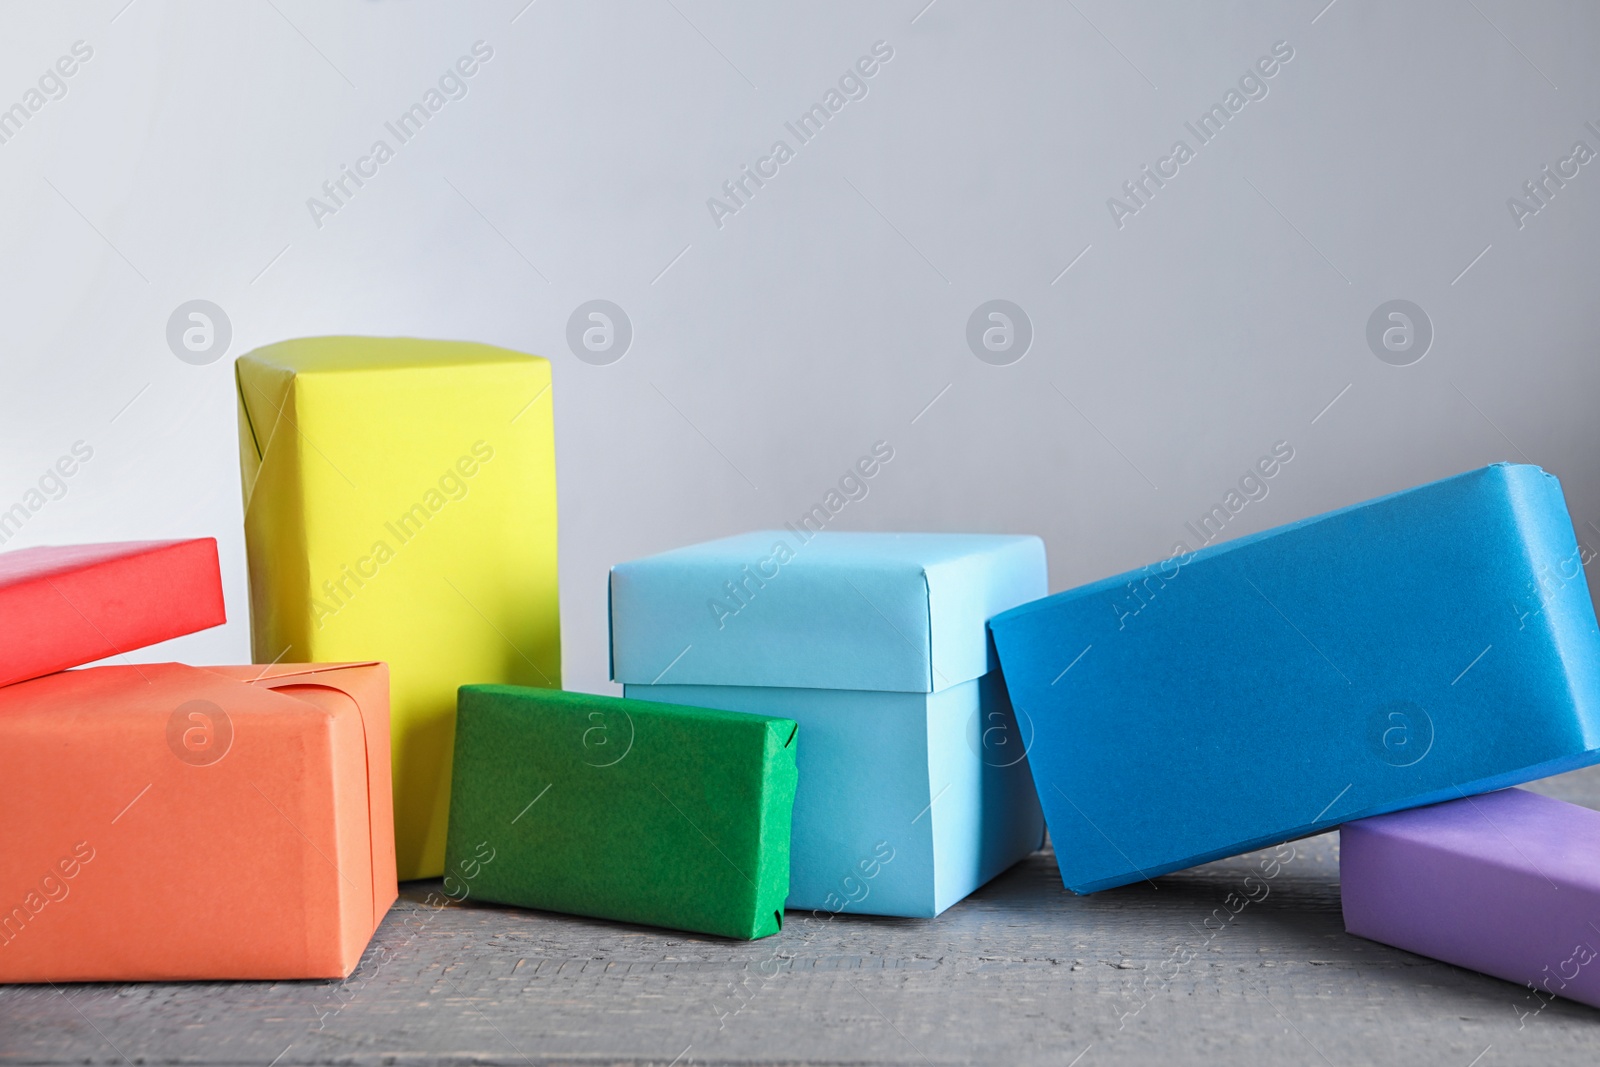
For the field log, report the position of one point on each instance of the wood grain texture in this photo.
(1021, 973)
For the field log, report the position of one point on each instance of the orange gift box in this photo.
(173, 822)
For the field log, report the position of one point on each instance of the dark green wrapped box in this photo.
(622, 809)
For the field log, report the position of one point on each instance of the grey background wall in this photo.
(1174, 339)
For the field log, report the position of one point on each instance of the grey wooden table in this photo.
(1021, 973)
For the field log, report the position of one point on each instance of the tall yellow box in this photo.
(400, 505)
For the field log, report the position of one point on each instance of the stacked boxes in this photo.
(175, 822)
(400, 506)
(813, 720)
(909, 796)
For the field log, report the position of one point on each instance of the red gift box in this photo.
(64, 606)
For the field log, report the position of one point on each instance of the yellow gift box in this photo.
(400, 505)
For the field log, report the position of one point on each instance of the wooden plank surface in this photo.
(1173, 973)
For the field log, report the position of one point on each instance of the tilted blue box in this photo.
(914, 788)
(1422, 646)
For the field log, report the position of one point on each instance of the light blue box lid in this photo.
(874, 611)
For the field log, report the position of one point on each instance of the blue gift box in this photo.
(914, 788)
(1422, 646)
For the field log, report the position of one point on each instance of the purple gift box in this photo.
(1506, 883)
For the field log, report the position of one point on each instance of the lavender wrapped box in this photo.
(1507, 883)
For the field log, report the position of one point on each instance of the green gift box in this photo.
(622, 809)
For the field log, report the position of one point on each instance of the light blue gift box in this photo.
(914, 784)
